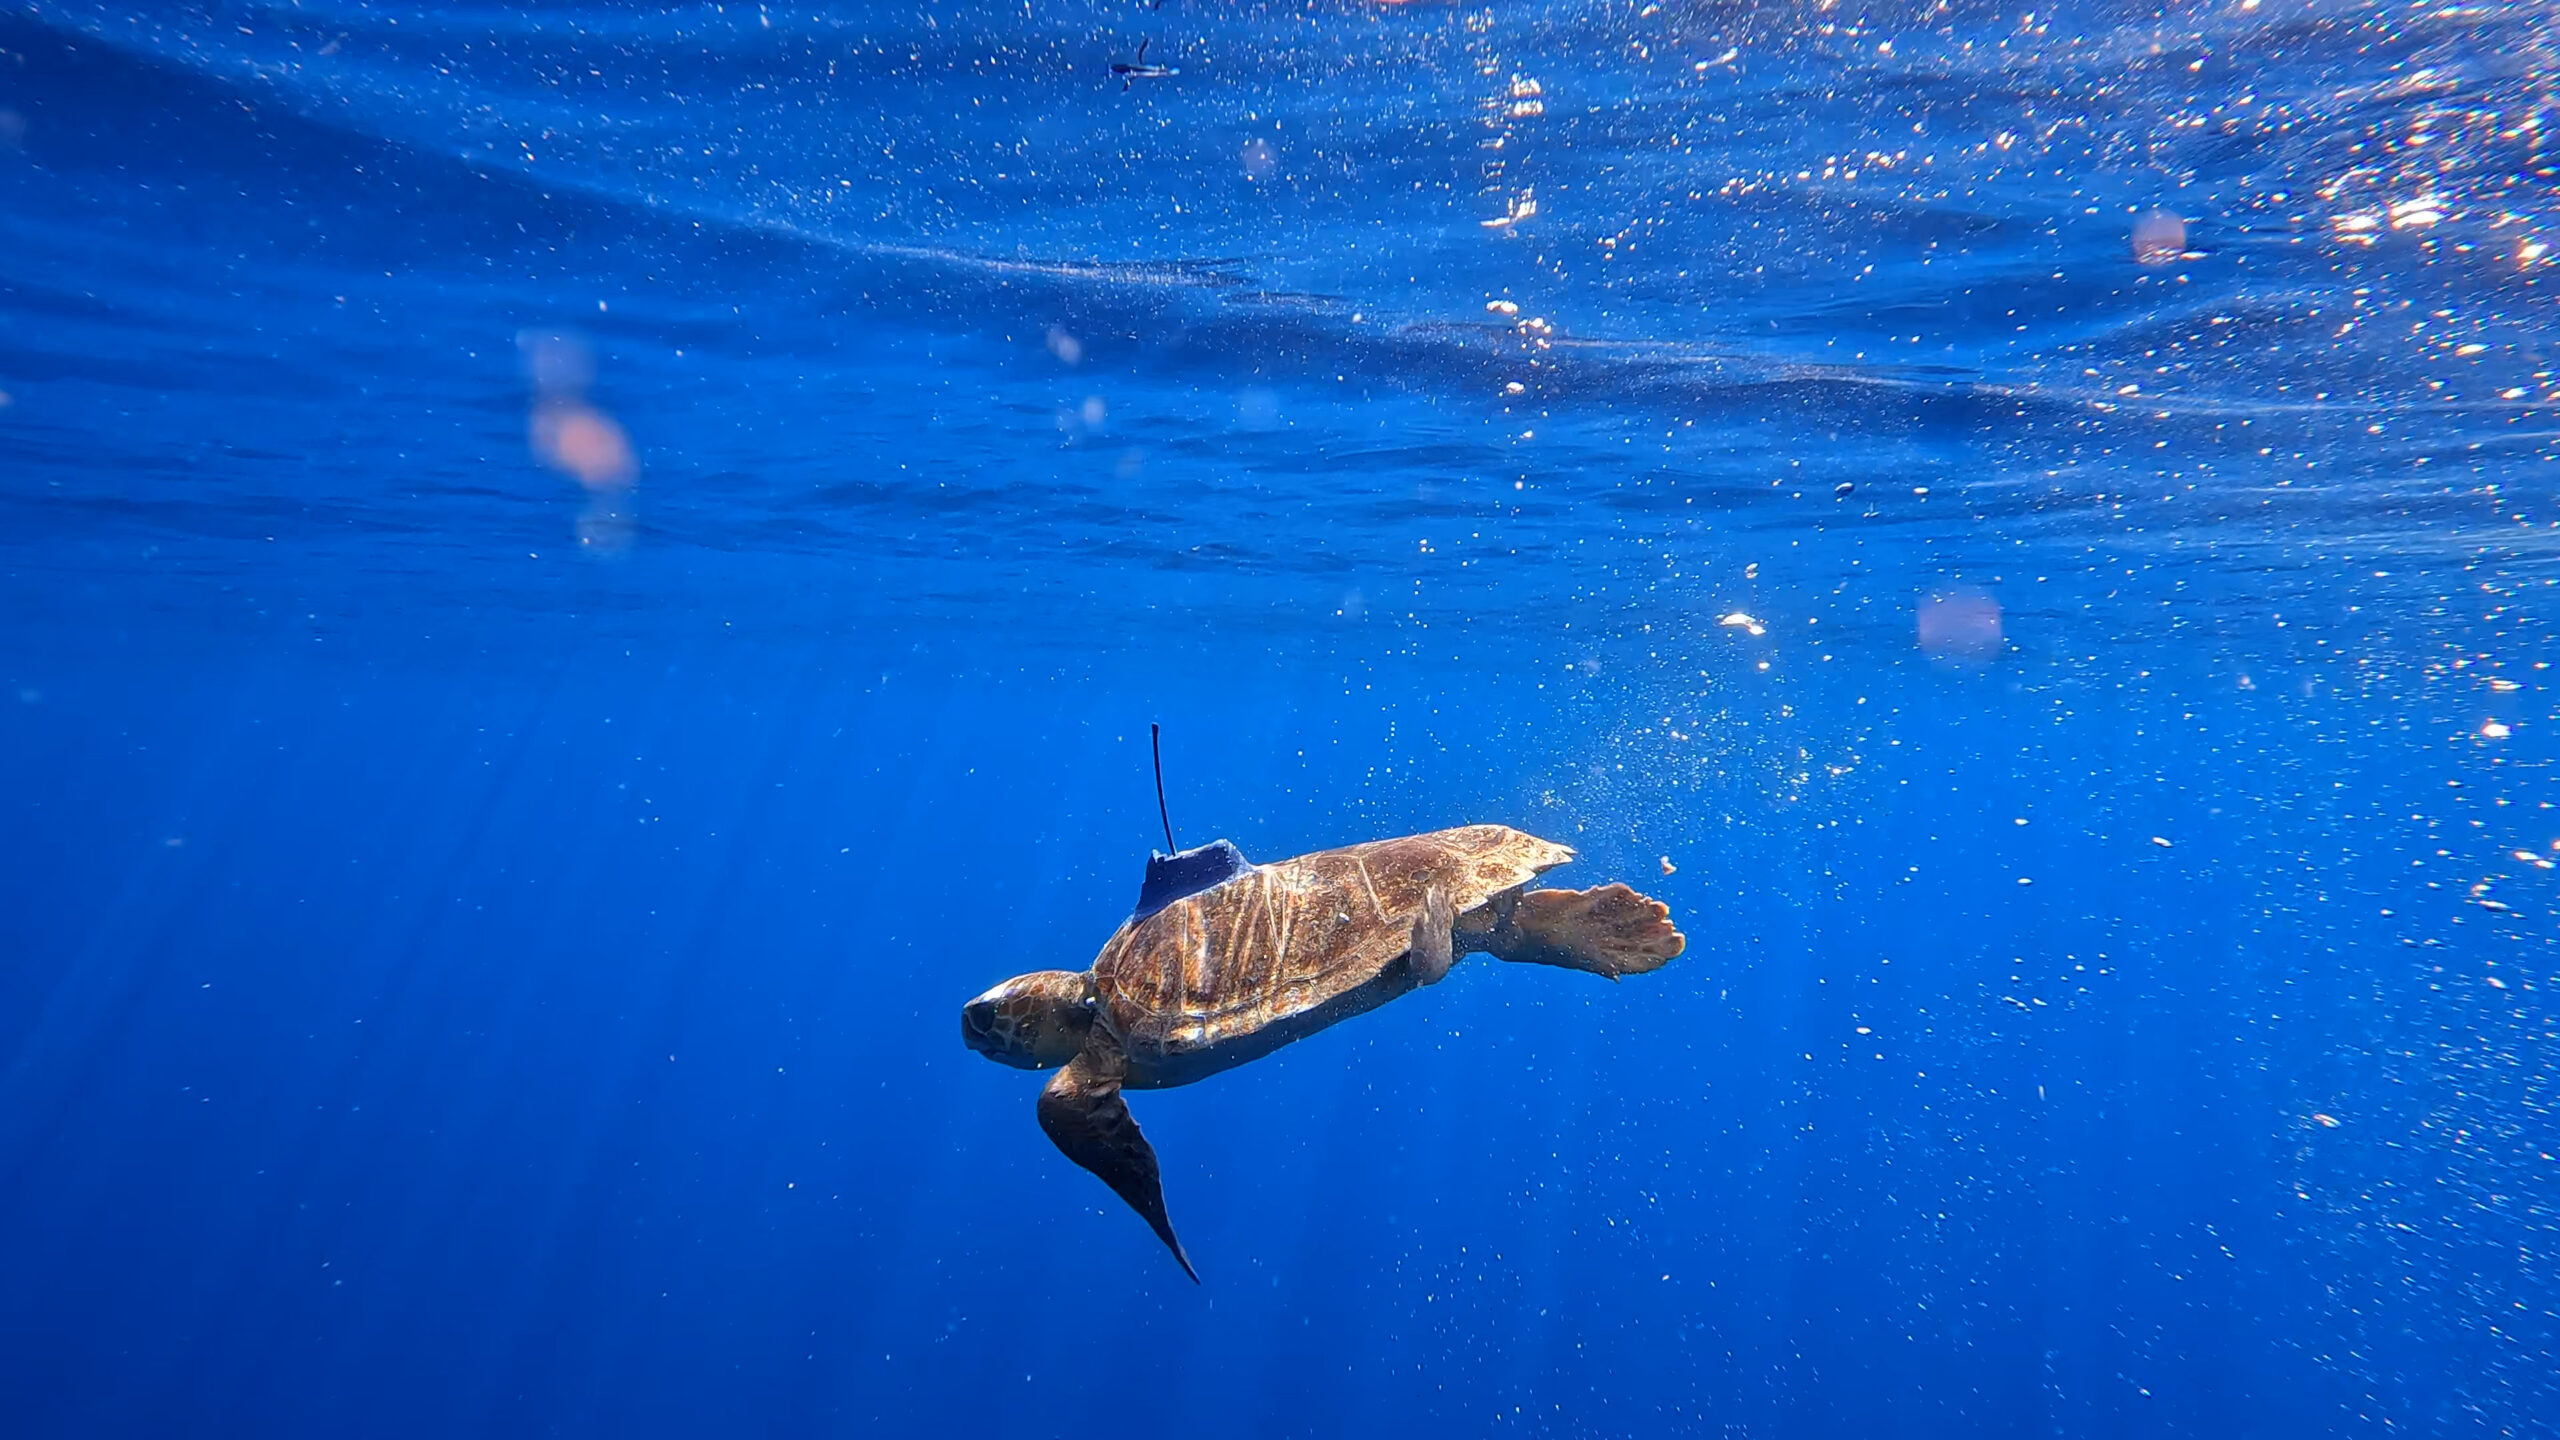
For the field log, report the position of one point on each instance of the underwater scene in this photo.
(1581, 718)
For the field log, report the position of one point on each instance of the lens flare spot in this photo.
(2159, 238)
(1960, 627)
(583, 443)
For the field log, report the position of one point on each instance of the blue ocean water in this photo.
(576, 577)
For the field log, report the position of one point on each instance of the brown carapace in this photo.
(1226, 961)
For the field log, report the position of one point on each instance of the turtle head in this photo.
(1032, 1022)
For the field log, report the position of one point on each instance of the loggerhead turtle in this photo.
(1225, 961)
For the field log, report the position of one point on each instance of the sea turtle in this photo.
(1225, 961)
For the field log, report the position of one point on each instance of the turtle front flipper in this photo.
(1610, 930)
(1083, 1113)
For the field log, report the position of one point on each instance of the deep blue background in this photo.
(457, 982)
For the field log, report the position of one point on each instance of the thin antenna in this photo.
(1155, 742)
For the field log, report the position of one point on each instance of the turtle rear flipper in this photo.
(1083, 1113)
(1434, 948)
(1610, 930)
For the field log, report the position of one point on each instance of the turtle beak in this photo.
(978, 1026)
